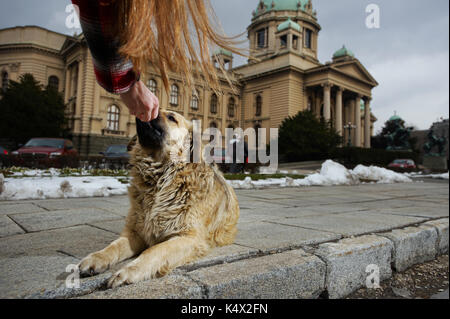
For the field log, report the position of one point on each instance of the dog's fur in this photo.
(179, 210)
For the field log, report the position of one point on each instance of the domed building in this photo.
(282, 77)
(287, 76)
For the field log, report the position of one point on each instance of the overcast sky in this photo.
(408, 55)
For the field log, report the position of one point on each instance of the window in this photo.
(231, 107)
(153, 86)
(194, 100)
(308, 38)
(113, 118)
(5, 80)
(283, 40)
(258, 105)
(295, 42)
(212, 126)
(53, 83)
(261, 38)
(214, 102)
(174, 95)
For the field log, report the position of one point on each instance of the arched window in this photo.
(5, 80)
(214, 102)
(153, 86)
(194, 100)
(113, 118)
(231, 107)
(53, 83)
(174, 95)
(258, 105)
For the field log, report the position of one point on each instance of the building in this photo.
(286, 78)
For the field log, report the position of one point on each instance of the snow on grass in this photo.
(61, 187)
(331, 174)
(52, 185)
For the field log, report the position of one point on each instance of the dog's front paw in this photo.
(93, 264)
(126, 276)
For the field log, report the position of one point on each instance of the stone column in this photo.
(358, 121)
(327, 101)
(367, 124)
(67, 85)
(339, 111)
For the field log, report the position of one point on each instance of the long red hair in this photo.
(175, 35)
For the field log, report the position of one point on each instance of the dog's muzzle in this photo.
(151, 134)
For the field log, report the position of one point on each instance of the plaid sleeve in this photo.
(113, 73)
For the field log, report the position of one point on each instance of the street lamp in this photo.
(350, 127)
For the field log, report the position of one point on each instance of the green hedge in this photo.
(353, 156)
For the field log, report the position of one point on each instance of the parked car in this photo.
(3, 151)
(403, 164)
(51, 147)
(116, 152)
(116, 157)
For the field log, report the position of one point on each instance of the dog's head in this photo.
(167, 137)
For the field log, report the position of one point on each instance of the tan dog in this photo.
(179, 211)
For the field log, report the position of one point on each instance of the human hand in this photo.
(141, 102)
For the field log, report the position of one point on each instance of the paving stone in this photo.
(416, 211)
(353, 224)
(268, 236)
(74, 241)
(222, 255)
(293, 274)
(64, 218)
(413, 245)
(78, 203)
(21, 276)
(114, 226)
(17, 208)
(168, 287)
(348, 260)
(8, 227)
(443, 232)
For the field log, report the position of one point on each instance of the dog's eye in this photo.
(171, 118)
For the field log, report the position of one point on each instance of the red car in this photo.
(403, 164)
(52, 147)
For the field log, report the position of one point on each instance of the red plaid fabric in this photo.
(113, 73)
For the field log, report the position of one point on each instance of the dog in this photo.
(179, 210)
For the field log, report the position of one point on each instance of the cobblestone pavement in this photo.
(40, 238)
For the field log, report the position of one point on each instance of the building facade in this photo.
(282, 78)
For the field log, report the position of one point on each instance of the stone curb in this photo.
(332, 270)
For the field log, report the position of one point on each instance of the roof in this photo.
(289, 24)
(395, 117)
(283, 5)
(223, 51)
(343, 52)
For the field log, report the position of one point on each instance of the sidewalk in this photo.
(292, 243)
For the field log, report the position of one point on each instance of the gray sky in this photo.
(408, 55)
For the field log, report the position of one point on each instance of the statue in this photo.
(433, 142)
(399, 140)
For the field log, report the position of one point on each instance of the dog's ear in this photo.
(132, 143)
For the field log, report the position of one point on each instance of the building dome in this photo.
(289, 24)
(222, 51)
(342, 53)
(284, 5)
(395, 117)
